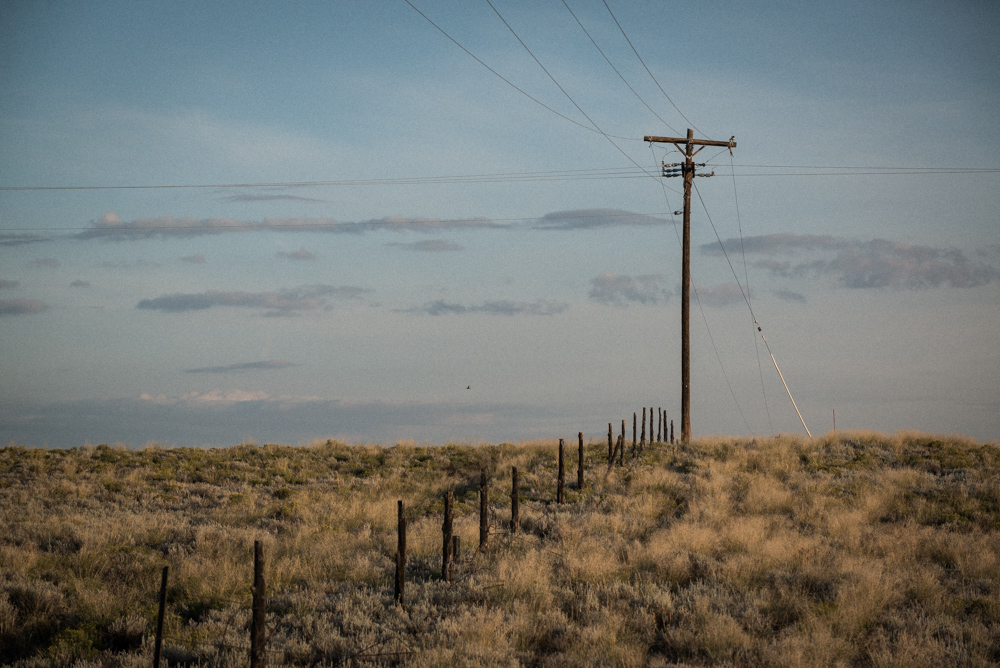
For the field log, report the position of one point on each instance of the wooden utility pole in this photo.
(687, 170)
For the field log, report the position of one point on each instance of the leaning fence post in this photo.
(159, 619)
(560, 485)
(447, 558)
(484, 502)
(258, 639)
(400, 553)
(514, 519)
(611, 452)
(579, 464)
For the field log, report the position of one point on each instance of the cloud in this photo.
(197, 258)
(245, 366)
(268, 198)
(78, 283)
(47, 262)
(301, 254)
(111, 227)
(8, 285)
(21, 306)
(582, 219)
(138, 264)
(497, 307)
(719, 295)
(305, 298)
(878, 263)
(12, 240)
(621, 290)
(790, 296)
(429, 246)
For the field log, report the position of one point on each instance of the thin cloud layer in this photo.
(864, 264)
(47, 262)
(8, 285)
(197, 258)
(80, 283)
(305, 298)
(620, 290)
(584, 219)
(13, 240)
(429, 246)
(21, 306)
(111, 227)
(724, 294)
(496, 307)
(301, 254)
(244, 367)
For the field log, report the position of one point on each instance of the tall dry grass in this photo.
(850, 549)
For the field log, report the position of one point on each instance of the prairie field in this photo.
(853, 549)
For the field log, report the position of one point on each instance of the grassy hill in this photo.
(850, 549)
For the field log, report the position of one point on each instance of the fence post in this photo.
(671, 432)
(159, 619)
(579, 465)
(642, 441)
(456, 547)
(651, 425)
(560, 485)
(514, 519)
(484, 502)
(400, 553)
(447, 559)
(635, 420)
(611, 452)
(622, 448)
(258, 639)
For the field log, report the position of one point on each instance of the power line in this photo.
(514, 177)
(608, 60)
(648, 70)
(502, 78)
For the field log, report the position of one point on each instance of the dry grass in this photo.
(855, 549)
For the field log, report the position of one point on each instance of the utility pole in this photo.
(687, 170)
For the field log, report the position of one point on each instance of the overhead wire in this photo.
(746, 277)
(620, 76)
(648, 71)
(554, 175)
(568, 96)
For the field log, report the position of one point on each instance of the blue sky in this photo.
(453, 233)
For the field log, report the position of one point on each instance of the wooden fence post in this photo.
(635, 421)
(484, 502)
(611, 452)
(400, 553)
(621, 452)
(642, 441)
(560, 485)
(579, 465)
(671, 432)
(659, 425)
(158, 646)
(258, 629)
(447, 558)
(514, 518)
(651, 425)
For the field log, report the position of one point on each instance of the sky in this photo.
(438, 222)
